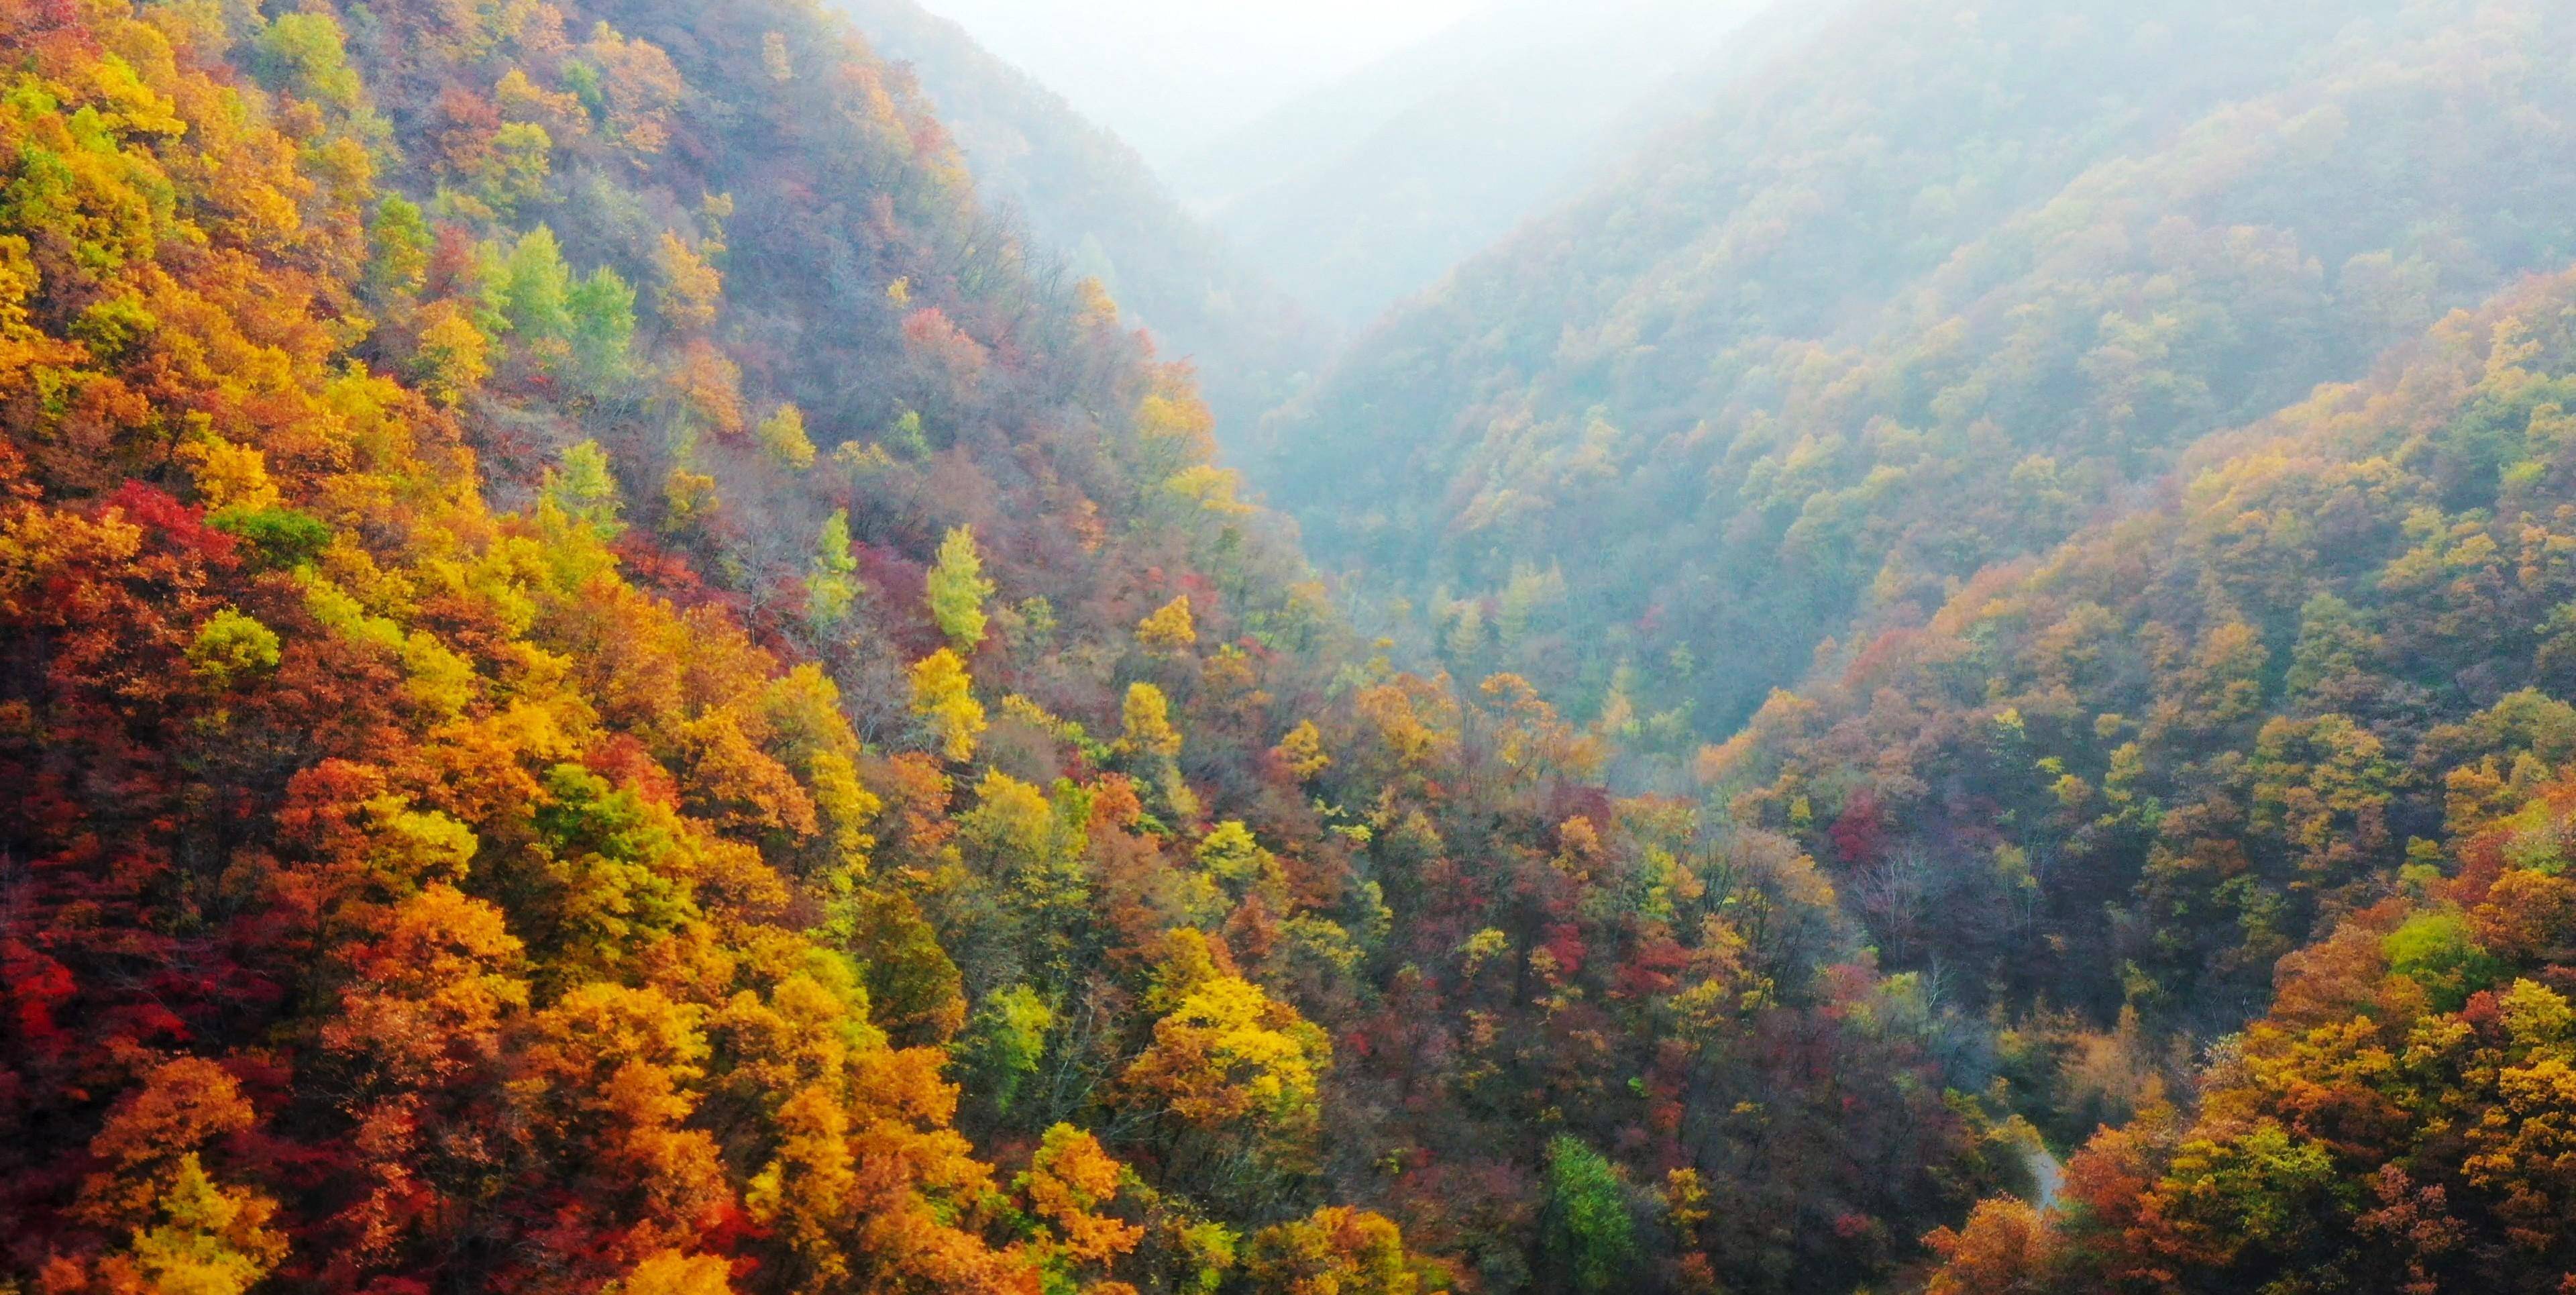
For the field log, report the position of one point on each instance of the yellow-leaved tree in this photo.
(943, 695)
(956, 589)
(1233, 1076)
(1169, 629)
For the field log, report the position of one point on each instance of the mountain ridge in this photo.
(1093, 202)
(1373, 187)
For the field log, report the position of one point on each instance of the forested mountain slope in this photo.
(2295, 737)
(1925, 294)
(1091, 203)
(604, 691)
(1369, 189)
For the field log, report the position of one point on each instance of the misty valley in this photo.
(1698, 647)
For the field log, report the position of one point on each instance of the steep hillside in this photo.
(605, 692)
(1924, 294)
(1369, 189)
(1092, 204)
(2142, 769)
(2310, 711)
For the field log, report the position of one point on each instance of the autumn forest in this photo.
(1878, 647)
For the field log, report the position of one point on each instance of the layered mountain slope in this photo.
(1091, 203)
(604, 691)
(2142, 769)
(1920, 296)
(2294, 743)
(1369, 189)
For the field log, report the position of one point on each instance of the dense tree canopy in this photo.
(609, 686)
(610, 689)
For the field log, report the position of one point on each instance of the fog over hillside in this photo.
(1287, 647)
(1091, 204)
(1367, 188)
(1171, 76)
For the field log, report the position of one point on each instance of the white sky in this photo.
(1171, 74)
